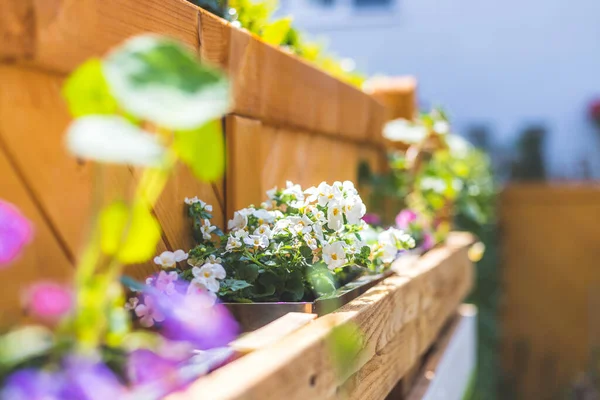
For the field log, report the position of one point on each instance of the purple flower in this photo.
(15, 232)
(372, 219)
(196, 319)
(49, 300)
(30, 384)
(405, 218)
(86, 379)
(152, 373)
(428, 241)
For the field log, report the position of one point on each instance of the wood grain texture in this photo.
(64, 33)
(261, 156)
(283, 90)
(42, 259)
(33, 120)
(397, 94)
(388, 316)
(17, 30)
(551, 285)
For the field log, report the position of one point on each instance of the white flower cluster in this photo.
(326, 219)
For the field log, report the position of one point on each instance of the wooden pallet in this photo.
(399, 319)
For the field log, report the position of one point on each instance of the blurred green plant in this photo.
(149, 104)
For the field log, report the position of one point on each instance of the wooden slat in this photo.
(33, 138)
(551, 285)
(388, 317)
(261, 157)
(43, 259)
(397, 94)
(59, 35)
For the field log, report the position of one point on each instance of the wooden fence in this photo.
(551, 286)
(289, 121)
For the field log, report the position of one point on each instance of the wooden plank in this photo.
(272, 332)
(62, 185)
(300, 366)
(551, 285)
(397, 94)
(67, 32)
(261, 156)
(43, 259)
(450, 364)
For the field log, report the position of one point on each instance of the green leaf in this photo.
(276, 32)
(87, 92)
(131, 236)
(203, 150)
(247, 272)
(321, 280)
(235, 285)
(295, 285)
(157, 79)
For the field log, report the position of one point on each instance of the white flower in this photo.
(281, 225)
(263, 230)
(168, 259)
(195, 199)
(349, 189)
(335, 219)
(311, 242)
(355, 209)
(239, 221)
(240, 234)
(401, 130)
(206, 229)
(334, 255)
(209, 274)
(296, 191)
(212, 259)
(271, 193)
(261, 241)
(149, 312)
(132, 303)
(264, 216)
(441, 127)
(233, 243)
(300, 225)
(318, 230)
(324, 194)
(198, 286)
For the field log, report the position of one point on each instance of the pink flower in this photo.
(428, 242)
(149, 312)
(15, 232)
(165, 282)
(49, 300)
(372, 219)
(405, 218)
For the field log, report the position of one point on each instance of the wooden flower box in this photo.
(289, 121)
(399, 320)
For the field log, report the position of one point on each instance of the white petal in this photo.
(113, 140)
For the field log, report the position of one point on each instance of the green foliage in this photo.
(256, 17)
(345, 343)
(158, 80)
(87, 92)
(203, 150)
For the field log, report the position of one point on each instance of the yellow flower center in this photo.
(336, 211)
(207, 274)
(334, 257)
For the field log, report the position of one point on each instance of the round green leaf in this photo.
(87, 92)
(203, 150)
(158, 80)
(113, 139)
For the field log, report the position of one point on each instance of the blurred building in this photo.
(499, 67)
